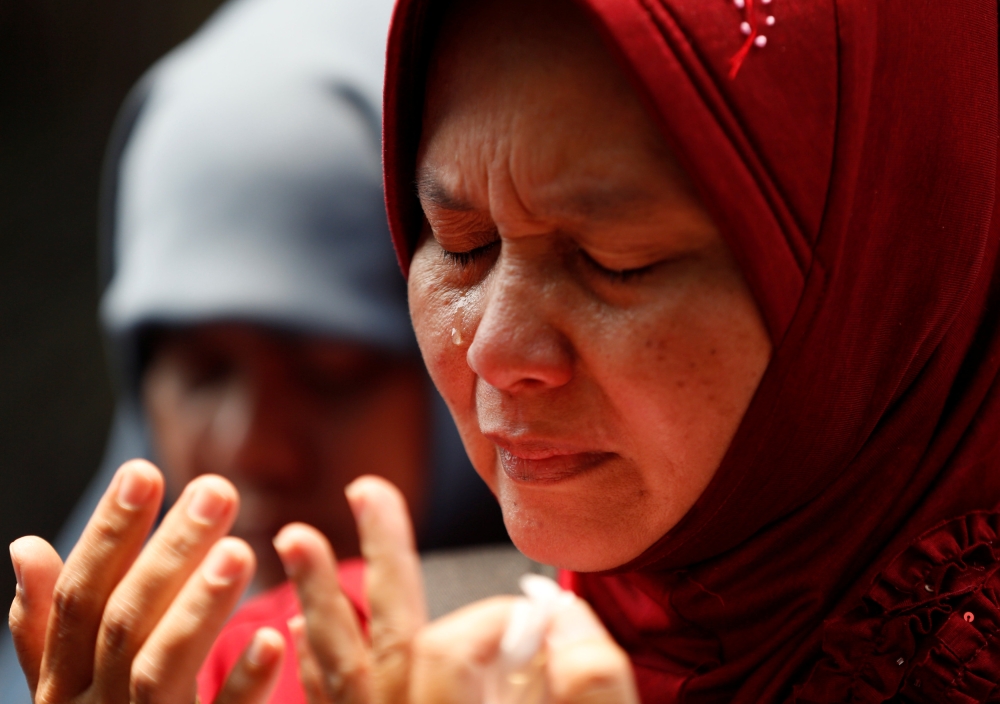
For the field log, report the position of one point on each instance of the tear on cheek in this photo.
(458, 334)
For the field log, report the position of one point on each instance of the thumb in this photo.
(36, 566)
(585, 665)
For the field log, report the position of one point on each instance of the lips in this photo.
(544, 463)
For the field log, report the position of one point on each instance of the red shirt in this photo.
(272, 608)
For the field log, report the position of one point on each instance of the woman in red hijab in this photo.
(846, 153)
(710, 290)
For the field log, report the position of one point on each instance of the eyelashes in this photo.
(618, 276)
(472, 256)
(464, 260)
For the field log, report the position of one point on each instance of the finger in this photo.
(585, 665)
(256, 673)
(36, 567)
(203, 513)
(310, 673)
(165, 668)
(109, 544)
(392, 579)
(451, 655)
(333, 632)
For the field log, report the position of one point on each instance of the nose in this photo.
(254, 431)
(518, 344)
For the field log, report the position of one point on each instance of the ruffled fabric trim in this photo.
(927, 630)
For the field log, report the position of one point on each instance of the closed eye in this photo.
(464, 259)
(615, 275)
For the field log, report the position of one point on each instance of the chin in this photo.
(548, 527)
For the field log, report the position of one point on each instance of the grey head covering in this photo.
(250, 185)
(243, 183)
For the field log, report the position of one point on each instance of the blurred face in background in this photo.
(290, 420)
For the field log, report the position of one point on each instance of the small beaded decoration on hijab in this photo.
(750, 27)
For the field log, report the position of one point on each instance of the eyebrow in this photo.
(592, 204)
(431, 191)
(605, 204)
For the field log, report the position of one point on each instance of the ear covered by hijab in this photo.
(847, 547)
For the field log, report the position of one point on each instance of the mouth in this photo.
(535, 462)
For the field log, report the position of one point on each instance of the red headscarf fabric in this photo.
(846, 550)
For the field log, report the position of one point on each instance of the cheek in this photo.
(436, 311)
(683, 375)
(433, 310)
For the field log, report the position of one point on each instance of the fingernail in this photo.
(134, 488)
(290, 559)
(297, 629)
(207, 506)
(262, 652)
(222, 568)
(356, 500)
(16, 561)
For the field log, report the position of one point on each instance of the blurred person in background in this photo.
(256, 320)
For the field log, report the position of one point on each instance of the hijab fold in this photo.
(851, 166)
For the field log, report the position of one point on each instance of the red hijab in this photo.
(844, 551)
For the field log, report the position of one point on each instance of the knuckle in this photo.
(177, 548)
(46, 694)
(170, 553)
(442, 660)
(181, 545)
(22, 632)
(145, 684)
(343, 683)
(71, 604)
(120, 630)
(109, 529)
(142, 691)
(17, 622)
(431, 645)
(393, 651)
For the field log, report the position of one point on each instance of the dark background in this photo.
(65, 67)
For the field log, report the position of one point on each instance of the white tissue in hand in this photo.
(530, 618)
(518, 675)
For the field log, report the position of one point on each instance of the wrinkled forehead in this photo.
(758, 146)
(510, 56)
(532, 86)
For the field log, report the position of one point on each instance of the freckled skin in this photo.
(602, 308)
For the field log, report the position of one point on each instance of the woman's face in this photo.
(574, 302)
(290, 420)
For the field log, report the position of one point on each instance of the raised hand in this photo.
(127, 622)
(406, 660)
